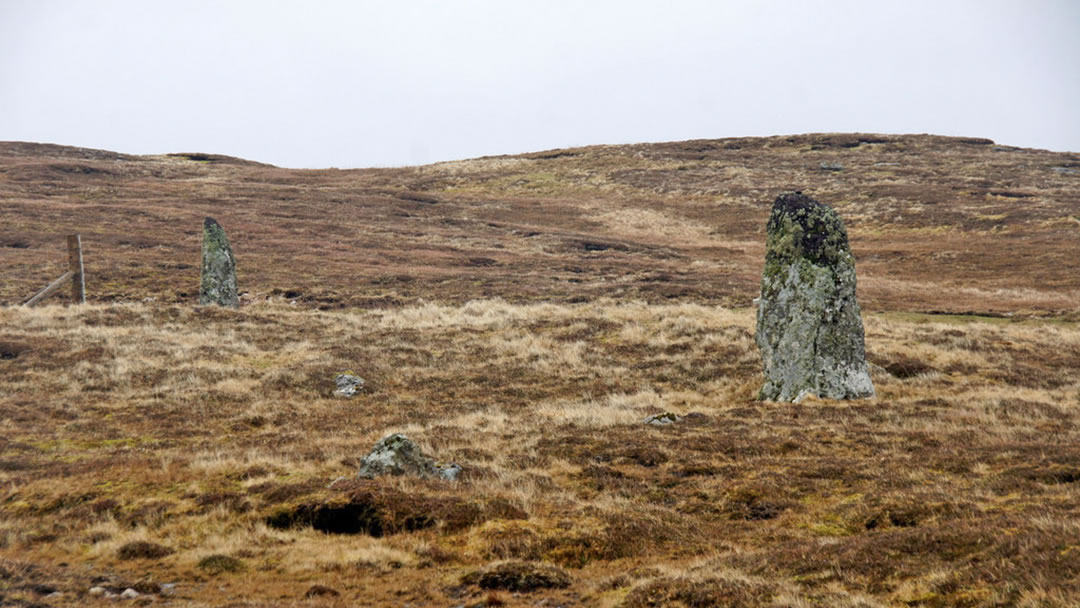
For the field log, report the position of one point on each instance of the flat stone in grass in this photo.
(662, 419)
(809, 330)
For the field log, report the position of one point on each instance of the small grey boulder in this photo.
(348, 385)
(662, 419)
(448, 472)
(397, 455)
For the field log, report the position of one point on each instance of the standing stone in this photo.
(218, 267)
(809, 330)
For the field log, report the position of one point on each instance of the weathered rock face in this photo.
(218, 267)
(397, 455)
(809, 330)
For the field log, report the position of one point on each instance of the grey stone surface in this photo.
(397, 455)
(809, 330)
(448, 472)
(218, 285)
(348, 385)
(662, 419)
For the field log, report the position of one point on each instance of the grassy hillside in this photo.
(937, 224)
(521, 316)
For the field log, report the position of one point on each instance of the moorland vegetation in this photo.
(522, 316)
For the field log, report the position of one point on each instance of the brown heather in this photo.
(521, 316)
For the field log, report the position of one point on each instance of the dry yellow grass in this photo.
(190, 428)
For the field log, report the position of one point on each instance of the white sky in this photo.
(394, 82)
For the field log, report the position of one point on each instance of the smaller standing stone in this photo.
(218, 267)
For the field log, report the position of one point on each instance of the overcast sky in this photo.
(396, 82)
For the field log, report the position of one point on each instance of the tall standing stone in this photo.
(809, 330)
(218, 267)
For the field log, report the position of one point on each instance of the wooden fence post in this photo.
(75, 264)
(74, 274)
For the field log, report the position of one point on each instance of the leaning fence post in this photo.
(74, 274)
(75, 263)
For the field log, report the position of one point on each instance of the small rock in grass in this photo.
(397, 455)
(96, 591)
(129, 594)
(348, 385)
(662, 419)
(448, 472)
